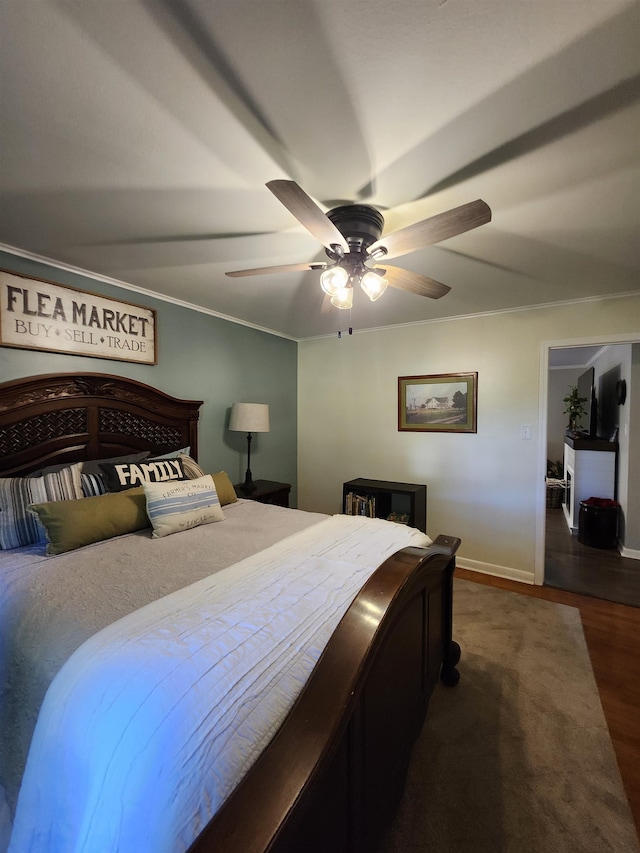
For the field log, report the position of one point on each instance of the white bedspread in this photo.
(153, 721)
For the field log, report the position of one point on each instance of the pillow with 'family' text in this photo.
(92, 466)
(173, 507)
(128, 475)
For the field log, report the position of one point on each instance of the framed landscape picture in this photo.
(442, 402)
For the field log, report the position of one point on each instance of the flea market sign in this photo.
(42, 315)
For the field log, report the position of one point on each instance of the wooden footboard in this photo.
(332, 776)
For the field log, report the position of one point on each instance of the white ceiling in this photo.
(136, 137)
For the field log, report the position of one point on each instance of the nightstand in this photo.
(267, 492)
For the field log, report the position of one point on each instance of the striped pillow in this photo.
(92, 485)
(182, 504)
(191, 467)
(17, 525)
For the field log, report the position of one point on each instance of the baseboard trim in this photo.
(505, 572)
(631, 553)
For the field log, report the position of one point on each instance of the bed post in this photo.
(449, 675)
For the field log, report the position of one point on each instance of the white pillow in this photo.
(182, 504)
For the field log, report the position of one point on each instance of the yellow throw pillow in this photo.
(224, 488)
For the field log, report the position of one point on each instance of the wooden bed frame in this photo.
(331, 778)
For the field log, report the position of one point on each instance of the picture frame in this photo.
(440, 402)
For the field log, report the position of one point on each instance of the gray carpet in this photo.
(517, 758)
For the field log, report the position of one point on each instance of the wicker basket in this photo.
(555, 493)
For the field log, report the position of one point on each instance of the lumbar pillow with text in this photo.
(224, 488)
(129, 474)
(173, 507)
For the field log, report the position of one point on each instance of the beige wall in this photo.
(481, 487)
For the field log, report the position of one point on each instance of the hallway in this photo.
(571, 566)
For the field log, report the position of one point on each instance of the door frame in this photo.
(543, 411)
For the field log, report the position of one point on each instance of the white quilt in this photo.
(152, 722)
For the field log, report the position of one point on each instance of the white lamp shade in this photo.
(249, 417)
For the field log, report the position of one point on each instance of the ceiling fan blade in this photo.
(433, 230)
(277, 269)
(414, 282)
(308, 213)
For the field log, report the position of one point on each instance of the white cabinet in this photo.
(589, 472)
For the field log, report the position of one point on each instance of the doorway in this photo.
(560, 559)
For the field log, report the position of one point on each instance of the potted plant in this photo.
(574, 407)
(555, 470)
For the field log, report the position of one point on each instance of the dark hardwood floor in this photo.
(580, 568)
(611, 632)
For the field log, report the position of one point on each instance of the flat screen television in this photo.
(588, 424)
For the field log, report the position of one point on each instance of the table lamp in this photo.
(249, 418)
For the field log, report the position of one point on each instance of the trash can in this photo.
(598, 523)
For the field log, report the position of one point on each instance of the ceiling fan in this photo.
(351, 236)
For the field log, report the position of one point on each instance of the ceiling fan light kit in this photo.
(343, 298)
(334, 279)
(352, 237)
(374, 284)
(342, 277)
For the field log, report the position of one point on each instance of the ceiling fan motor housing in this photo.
(360, 224)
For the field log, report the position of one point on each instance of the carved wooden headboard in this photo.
(69, 417)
